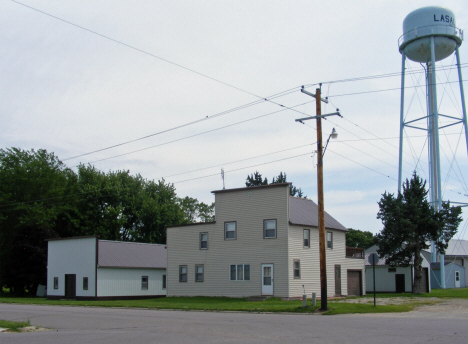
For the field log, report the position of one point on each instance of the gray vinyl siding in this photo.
(248, 208)
(310, 262)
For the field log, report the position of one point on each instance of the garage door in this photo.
(354, 283)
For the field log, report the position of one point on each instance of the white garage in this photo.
(86, 268)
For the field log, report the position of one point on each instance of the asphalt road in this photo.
(117, 325)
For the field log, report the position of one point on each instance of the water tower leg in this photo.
(462, 93)
(436, 186)
(402, 124)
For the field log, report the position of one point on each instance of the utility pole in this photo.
(321, 208)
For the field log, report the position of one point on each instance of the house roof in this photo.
(131, 255)
(304, 212)
(436, 266)
(457, 248)
(253, 187)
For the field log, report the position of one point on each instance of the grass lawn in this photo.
(241, 304)
(14, 326)
(459, 293)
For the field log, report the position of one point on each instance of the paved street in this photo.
(117, 325)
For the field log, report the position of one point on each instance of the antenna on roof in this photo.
(222, 176)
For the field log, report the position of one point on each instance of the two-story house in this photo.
(263, 242)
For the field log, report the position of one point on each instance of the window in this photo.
(329, 240)
(269, 228)
(391, 269)
(306, 238)
(183, 273)
(240, 272)
(85, 283)
(203, 241)
(164, 282)
(198, 273)
(55, 282)
(297, 268)
(230, 230)
(144, 282)
(457, 276)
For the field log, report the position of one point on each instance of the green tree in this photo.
(410, 224)
(293, 191)
(33, 185)
(255, 180)
(196, 211)
(357, 238)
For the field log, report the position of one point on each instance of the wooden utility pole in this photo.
(321, 208)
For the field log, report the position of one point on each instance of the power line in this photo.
(202, 133)
(241, 107)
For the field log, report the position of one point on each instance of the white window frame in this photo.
(202, 241)
(330, 240)
(144, 282)
(265, 229)
(304, 238)
(238, 270)
(457, 276)
(199, 274)
(226, 230)
(297, 268)
(183, 273)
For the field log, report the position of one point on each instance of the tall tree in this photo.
(410, 224)
(255, 180)
(293, 191)
(196, 211)
(357, 238)
(33, 185)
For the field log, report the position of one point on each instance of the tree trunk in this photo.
(417, 271)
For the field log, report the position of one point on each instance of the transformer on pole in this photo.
(430, 35)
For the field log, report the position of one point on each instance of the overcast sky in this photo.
(80, 76)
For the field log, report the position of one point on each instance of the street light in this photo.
(321, 210)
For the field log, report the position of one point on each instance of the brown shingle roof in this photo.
(304, 212)
(131, 255)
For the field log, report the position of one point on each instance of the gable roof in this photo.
(436, 266)
(457, 247)
(304, 212)
(131, 255)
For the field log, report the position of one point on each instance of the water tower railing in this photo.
(438, 30)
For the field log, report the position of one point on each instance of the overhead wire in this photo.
(198, 134)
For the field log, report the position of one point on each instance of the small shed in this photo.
(393, 279)
(454, 275)
(85, 268)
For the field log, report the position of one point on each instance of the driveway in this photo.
(118, 325)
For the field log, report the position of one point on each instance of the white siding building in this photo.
(89, 268)
(263, 242)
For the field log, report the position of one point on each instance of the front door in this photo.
(267, 279)
(457, 279)
(400, 283)
(338, 280)
(70, 286)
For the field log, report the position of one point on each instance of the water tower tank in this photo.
(420, 25)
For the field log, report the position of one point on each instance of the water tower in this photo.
(430, 35)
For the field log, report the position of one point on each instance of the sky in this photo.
(183, 89)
